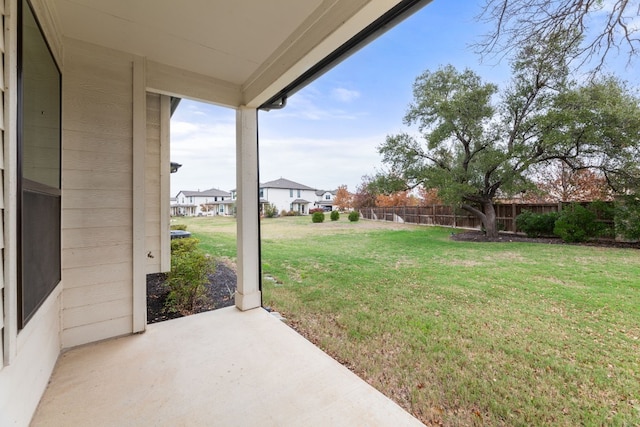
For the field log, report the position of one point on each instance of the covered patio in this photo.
(88, 91)
(223, 368)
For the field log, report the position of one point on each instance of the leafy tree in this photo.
(343, 199)
(595, 28)
(365, 195)
(476, 149)
(558, 182)
(398, 198)
(429, 196)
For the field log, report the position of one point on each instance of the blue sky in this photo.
(329, 132)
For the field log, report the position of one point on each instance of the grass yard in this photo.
(460, 333)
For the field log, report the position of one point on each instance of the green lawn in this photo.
(460, 333)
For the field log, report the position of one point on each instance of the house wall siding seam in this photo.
(97, 201)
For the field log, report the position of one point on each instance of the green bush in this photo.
(188, 244)
(335, 215)
(317, 217)
(190, 267)
(627, 218)
(576, 224)
(536, 225)
(182, 227)
(270, 211)
(354, 216)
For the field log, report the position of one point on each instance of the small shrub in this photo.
(190, 267)
(284, 213)
(182, 227)
(188, 244)
(576, 224)
(536, 225)
(317, 217)
(270, 211)
(354, 216)
(314, 210)
(335, 215)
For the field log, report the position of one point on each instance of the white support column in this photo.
(139, 151)
(248, 294)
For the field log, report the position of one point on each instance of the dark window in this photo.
(39, 176)
(291, 192)
(298, 193)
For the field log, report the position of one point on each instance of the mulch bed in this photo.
(220, 290)
(479, 236)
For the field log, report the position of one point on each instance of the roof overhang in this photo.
(240, 52)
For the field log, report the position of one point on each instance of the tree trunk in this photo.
(489, 219)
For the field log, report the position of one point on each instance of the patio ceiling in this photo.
(257, 47)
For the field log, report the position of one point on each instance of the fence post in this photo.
(513, 217)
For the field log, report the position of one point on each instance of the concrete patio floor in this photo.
(220, 368)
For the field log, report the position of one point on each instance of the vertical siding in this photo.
(157, 170)
(152, 185)
(97, 194)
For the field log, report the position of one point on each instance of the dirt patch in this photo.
(220, 290)
(479, 236)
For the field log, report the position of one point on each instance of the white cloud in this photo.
(344, 95)
(205, 148)
(320, 162)
(182, 128)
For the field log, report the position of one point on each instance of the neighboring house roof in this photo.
(286, 184)
(212, 192)
(322, 192)
(300, 201)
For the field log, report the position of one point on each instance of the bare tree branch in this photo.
(596, 28)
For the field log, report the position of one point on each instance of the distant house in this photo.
(208, 202)
(324, 199)
(288, 195)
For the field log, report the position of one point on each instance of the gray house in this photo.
(86, 99)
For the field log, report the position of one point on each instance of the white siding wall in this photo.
(97, 194)
(282, 199)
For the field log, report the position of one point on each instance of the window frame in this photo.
(28, 304)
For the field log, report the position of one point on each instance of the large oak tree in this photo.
(477, 142)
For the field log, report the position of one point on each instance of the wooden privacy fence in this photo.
(447, 216)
